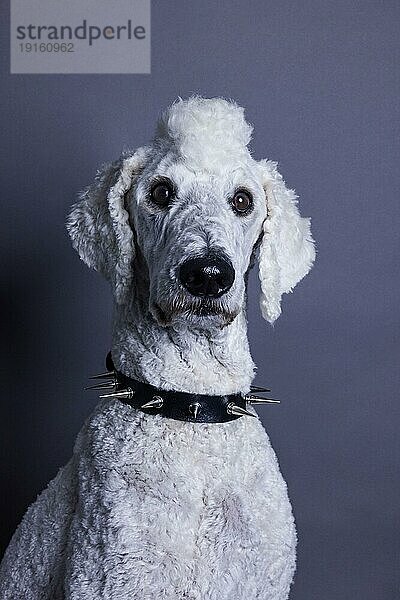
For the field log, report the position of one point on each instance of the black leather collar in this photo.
(182, 406)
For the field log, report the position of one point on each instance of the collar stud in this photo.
(194, 409)
(155, 402)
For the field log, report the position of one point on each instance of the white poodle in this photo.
(174, 490)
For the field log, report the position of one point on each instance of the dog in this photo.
(188, 503)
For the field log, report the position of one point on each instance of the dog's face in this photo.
(190, 211)
(196, 228)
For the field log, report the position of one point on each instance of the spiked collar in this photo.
(171, 404)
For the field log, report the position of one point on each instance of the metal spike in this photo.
(155, 402)
(194, 409)
(234, 409)
(102, 386)
(257, 388)
(103, 375)
(256, 400)
(124, 394)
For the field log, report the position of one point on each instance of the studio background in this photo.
(320, 83)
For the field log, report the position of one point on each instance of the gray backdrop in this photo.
(320, 82)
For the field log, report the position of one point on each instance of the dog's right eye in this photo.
(162, 193)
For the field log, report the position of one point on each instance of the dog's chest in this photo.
(176, 510)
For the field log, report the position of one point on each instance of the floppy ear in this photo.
(98, 223)
(287, 249)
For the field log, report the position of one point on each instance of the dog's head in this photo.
(188, 213)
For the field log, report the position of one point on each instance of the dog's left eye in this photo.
(242, 202)
(162, 193)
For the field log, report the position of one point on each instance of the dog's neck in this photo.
(181, 358)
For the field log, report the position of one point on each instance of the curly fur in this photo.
(150, 507)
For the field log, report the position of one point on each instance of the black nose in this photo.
(209, 276)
